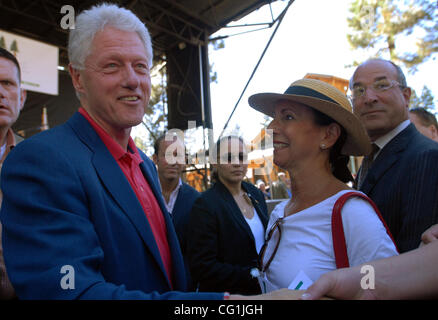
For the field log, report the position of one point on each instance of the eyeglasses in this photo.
(275, 226)
(378, 86)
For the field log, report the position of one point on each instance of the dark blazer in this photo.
(221, 246)
(180, 216)
(403, 182)
(67, 203)
(181, 212)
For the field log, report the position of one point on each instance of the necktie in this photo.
(366, 165)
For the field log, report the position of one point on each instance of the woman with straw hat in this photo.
(314, 133)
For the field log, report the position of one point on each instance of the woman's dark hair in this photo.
(216, 152)
(338, 161)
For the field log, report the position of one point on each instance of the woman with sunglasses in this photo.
(227, 225)
(314, 133)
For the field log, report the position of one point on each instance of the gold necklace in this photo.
(247, 202)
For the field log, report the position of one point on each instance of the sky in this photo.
(311, 39)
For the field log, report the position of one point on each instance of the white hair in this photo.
(91, 21)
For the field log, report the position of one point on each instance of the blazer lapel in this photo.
(387, 158)
(115, 182)
(234, 210)
(151, 176)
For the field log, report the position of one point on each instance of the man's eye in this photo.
(141, 67)
(359, 91)
(381, 85)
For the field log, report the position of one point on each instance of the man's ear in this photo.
(407, 95)
(76, 78)
(23, 96)
(155, 159)
(433, 131)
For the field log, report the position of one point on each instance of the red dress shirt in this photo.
(129, 163)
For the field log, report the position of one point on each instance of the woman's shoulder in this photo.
(278, 210)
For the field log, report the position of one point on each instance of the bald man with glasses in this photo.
(401, 174)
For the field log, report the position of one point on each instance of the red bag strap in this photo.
(339, 245)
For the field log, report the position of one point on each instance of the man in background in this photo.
(425, 122)
(280, 190)
(82, 213)
(169, 157)
(12, 98)
(401, 174)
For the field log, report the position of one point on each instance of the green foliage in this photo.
(426, 100)
(380, 26)
(14, 47)
(155, 118)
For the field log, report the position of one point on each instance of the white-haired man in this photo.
(92, 223)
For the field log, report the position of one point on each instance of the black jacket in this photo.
(221, 246)
(403, 183)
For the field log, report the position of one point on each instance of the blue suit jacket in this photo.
(403, 182)
(67, 203)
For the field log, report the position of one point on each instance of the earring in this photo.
(322, 146)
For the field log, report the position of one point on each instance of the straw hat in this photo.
(326, 99)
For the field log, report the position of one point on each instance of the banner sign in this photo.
(38, 62)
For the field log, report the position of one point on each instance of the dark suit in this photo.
(181, 212)
(403, 182)
(67, 203)
(221, 246)
(180, 216)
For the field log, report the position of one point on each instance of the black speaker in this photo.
(184, 83)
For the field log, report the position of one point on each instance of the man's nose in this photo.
(370, 96)
(131, 78)
(2, 91)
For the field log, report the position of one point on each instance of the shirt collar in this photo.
(172, 197)
(10, 143)
(114, 148)
(382, 141)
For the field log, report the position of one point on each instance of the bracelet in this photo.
(226, 295)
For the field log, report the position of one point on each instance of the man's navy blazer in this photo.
(403, 182)
(181, 212)
(68, 210)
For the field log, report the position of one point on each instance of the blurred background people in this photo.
(425, 122)
(262, 187)
(314, 132)
(227, 225)
(280, 189)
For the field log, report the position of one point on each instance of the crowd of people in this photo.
(82, 197)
